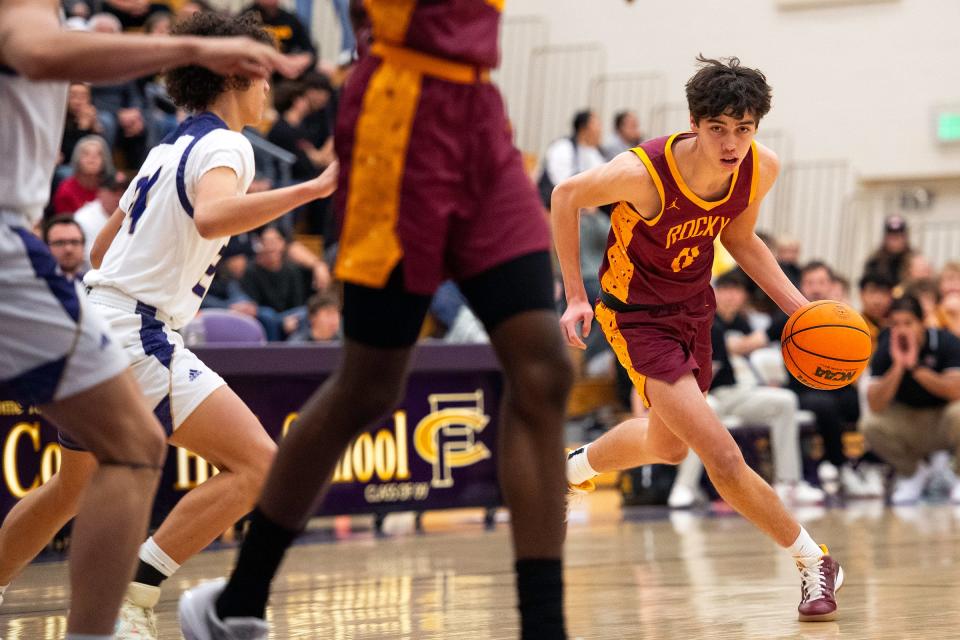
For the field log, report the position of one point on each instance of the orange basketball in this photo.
(826, 344)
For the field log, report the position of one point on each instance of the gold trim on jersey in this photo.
(685, 190)
(369, 245)
(496, 4)
(642, 154)
(616, 279)
(390, 18)
(608, 323)
(755, 176)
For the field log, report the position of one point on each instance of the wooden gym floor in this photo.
(640, 573)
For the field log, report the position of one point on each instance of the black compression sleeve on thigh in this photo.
(246, 594)
(387, 318)
(540, 594)
(522, 284)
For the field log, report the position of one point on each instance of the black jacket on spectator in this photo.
(281, 290)
(940, 353)
(290, 138)
(291, 34)
(723, 375)
(131, 22)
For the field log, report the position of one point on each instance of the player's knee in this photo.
(541, 382)
(133, 442)
(255, 468)
(675, 454)
(725, 466)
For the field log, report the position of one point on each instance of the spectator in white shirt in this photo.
(94, 215)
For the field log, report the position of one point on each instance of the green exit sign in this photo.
(948, 124)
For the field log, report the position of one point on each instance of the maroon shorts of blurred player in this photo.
(429, 176)
(663, 342)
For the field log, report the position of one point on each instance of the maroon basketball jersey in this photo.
(669, 258)
(461, 30)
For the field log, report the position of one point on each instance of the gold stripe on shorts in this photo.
(608, 322)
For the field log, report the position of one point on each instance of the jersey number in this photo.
(140, 204)
(685, 258)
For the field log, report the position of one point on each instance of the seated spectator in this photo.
(120, 106)
(94, 215)
(731, 334)
(949, 280)
(787, 251)
(914, 396)
(567, 157)
(876, 294)
(91, 165)
(840, 289)
(890, 259)
(918, 268)
(323, 320)
(626, 134)
(926, 293)
(289, 32)
(134, 14)
(191, 7)
(834, 410)
(273, 282)
(65, 239)
(82, 119)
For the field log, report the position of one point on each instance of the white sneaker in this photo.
(910, 490)
(829, 477)
(681, 497)
(805, 493)
(137, 621)
(942, 478)
(954, 498)
(872, 482)
(199, 621)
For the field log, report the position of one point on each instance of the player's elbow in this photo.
(206, 224)
(561, 196)
(35, 64)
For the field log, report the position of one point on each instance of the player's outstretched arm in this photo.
(34, 44)
(105, 238)
(753, 256)
(219, 212)
(623, 178)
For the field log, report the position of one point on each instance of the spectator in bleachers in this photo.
(191, 7)
(291, 34)
(948, 286)
(323, 320)
(835, 410)
(840, 289)
(160, 112)
(91, 164)
(914, 397)
(746, 401)
(120, 106)
(876, 294)
(348, 42)
(65, 239)
(926, 292)
(94, 215)
(626, 134)
(295, 132)
(890, 259)
(949, 280)
(567, 157)
(133, 14)
(273, 282)
(918, 268)
(787, 251)
(82, 119)
(319, 122)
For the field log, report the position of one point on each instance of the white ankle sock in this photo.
(157, 558)
(804, 549)
(578, 467)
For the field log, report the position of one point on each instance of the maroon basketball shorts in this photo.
(663, 342)
(429, 178)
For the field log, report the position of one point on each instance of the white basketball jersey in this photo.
(32, 115)
(158, 256)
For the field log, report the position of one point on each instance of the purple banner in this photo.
(435, 451)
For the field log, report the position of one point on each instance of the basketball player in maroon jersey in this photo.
(431, 187)
(676, 195)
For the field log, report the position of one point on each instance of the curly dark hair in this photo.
(194, 87)
(723, 87)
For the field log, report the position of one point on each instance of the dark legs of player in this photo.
(366, 386)
(538, 377)
(513, 301)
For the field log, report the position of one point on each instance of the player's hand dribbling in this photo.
(241, 56)
(577, 313)
(326, 183)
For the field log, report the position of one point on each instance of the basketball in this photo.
(826, 344)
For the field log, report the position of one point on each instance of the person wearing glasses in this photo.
(65, 239)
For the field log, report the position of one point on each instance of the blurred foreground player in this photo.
(154, 260)
(676, 196)
(55, 352)
(430, 187)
